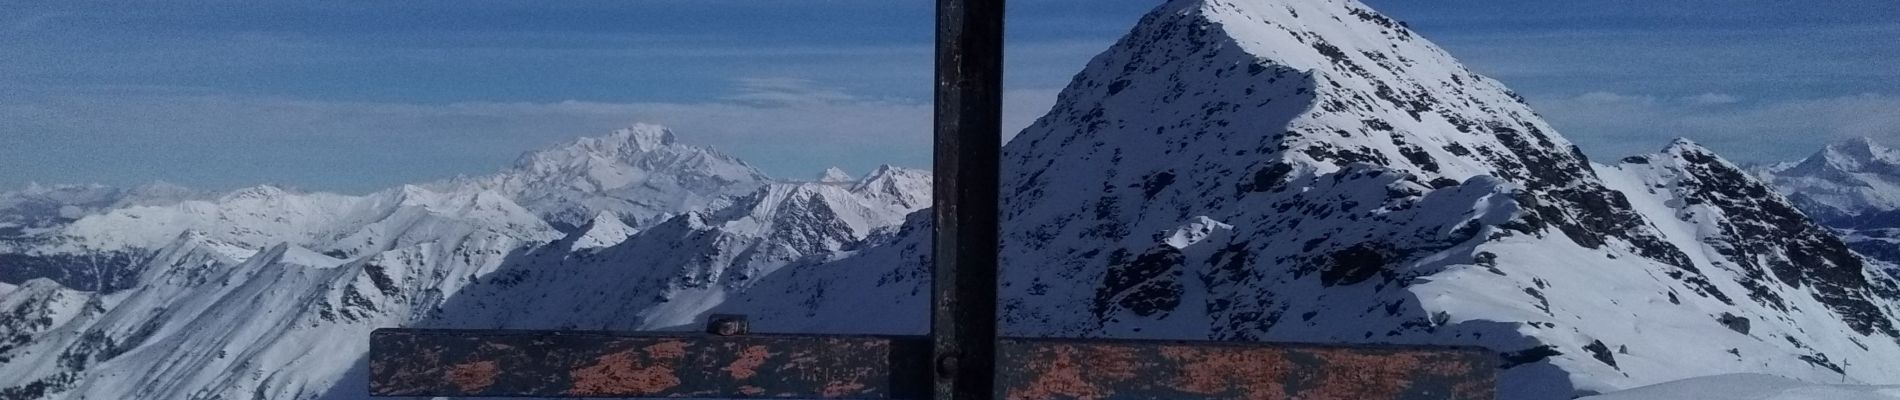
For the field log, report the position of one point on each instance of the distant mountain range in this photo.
(1241, 170)
(1852, 186)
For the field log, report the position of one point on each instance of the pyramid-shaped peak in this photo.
(835, 175)
(1684, 150)
(604, 230)
(1304, 34)
(1862, 148)
(1204, 88)
(1684, 145)
(888, 170)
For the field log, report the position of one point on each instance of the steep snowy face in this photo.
(605, 230)
(641, 173)
(38, 306)
(1765, 238)
(1226, 109)
(195, 297)
(1853, 187)
(888, 276)
(669, 274)
(1314, 171)
(1788, 276)
(216, 319)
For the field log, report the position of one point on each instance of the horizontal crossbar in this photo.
(422, 362)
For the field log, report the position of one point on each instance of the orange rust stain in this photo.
(847, 382)
(668, 350)
(799, 361)
(1246, 373)
(835, 389)
(1060, 378)
(473, 377)
(1352, 374)
(748, 363)
(622, 374)
(1103, 371)
(1110, 363)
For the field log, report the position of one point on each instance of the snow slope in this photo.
(1752, 387)
(216, 318)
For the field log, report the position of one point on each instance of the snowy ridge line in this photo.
(260, 292)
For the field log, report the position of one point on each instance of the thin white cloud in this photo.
(1713, 98)
(789, 92)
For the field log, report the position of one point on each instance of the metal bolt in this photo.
(946, 366)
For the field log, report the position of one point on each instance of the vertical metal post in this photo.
(969, 108)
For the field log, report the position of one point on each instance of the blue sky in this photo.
(355, 96)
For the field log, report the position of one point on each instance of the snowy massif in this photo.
(1283, 170)
(1852, 186)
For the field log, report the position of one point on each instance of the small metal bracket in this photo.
(727, 325)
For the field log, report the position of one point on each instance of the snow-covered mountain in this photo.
(32, 217)
(36, 207)
(1314, 171)
(1852, 186)
(835, 175)
(267, 292)
(94, 237)
(1284, 170)
(641, 173)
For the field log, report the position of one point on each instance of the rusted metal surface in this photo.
(968, 137)
(417, 362)
(1040, 369)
